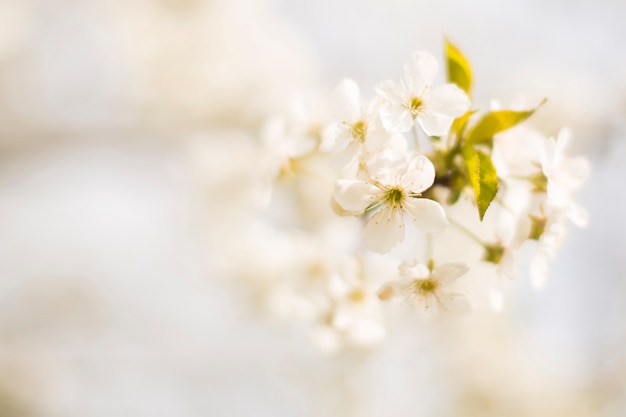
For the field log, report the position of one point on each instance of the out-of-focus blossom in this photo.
(428, 291)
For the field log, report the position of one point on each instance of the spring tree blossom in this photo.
(357, 128)
(356, 181)
(393, 190)
(415, 99)
(429, 291)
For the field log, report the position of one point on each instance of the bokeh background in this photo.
(118, 120)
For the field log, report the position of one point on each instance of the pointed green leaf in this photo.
(495, 122)
(459, 70)
(458, 125)
(482, 176)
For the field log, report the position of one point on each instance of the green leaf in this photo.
(458, 125)
(495, 122)
(459, 70)
(482, 176)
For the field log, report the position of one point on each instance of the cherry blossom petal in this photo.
(394, 289)
(547, 156)
(558, 195)
(384, 230)
(345, 101)
(427, 305)
(347, 156)
(447, 99)
(563, 140)
(427, 215)
(396, 117)
(507, 268)
(413, 270)
(578, 215)
(355, 195)
(386, 166)
(573, 172)
(391, 92)
(420, 174)
(554, 236)
(455, 302)
(434, 124)
(377, 138)
(449, 272)
(420, 70)
(340, 136)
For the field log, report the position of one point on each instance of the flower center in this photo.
(414, 105)
(537, 227)
(539, 182)
(356, 296)
(394, 197)
(359, 131)
(426, 286)
(493, 253)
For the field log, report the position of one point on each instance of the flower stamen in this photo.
(414, 105)
(359, 131)
(425, 286)
(395, 197)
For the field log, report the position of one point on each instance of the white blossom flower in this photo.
(414, 99)
(563, 174)
(550, 230)
(428, 290)
(394, 189)
(357, 126)
(354, 318)
(515, 151)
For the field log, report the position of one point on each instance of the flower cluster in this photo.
(348, 181)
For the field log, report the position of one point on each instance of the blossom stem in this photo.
(415, 137)
(467, 232)
(429, 251)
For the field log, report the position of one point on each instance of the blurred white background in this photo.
(112, 297)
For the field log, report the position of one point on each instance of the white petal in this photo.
(420, 70)
(447, 99)
(427, 306)
(384, 230)
(563, 139)
(420, 174)
(448, 273)
(346, 156)
(558, 195)
(396, 117)
(341, 137)
(355, 195)
(345, 101)
(427, 215)
(507, 268)
(391, 91)
(386, 166)
(398, 143)
(434, 124)
(455, 302)
(578, 216)
(393, 289)
(377, 137)
(413, 270)
(573, 172)
(547, 156)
